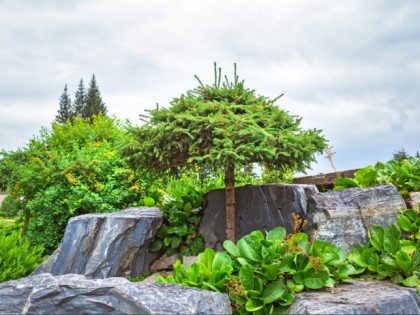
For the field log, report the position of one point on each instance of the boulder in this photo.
(343, 216)
(259, 207)
(76, 294)
(413, 201)
(360, 297)
(106, 245)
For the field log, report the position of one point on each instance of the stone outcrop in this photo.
(75, 294)
(106, 245)
(360, 297)
(261, 207)
(343, 216)
(414, 200)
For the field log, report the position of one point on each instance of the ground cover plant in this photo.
(262, 273)
(404, 174)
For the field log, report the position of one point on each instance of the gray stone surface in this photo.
(259, 207)
(414, 200)
(75, 294)
(343, 217)
(360, 297)
(106, 245)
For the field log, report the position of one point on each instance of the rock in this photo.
(189, 260)
(76, 294)
(360, 297)
(343, 216)
(414, 200)
(260, 207)
(164, 262)
(106, 245)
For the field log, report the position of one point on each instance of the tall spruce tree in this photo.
(79, 100)
(226, 126)
(94, 104)
(65, 111)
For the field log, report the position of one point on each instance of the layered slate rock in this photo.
(343, 217)
(414, 200)
(75, 294)
(106, 245)
(260, 207)
(360, 297)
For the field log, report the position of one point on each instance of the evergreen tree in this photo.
(94, 104)
(417, 154)
(401, 155)
(79, 100)
(226, 126)
(65, 110)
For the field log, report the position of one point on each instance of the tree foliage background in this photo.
(70, 170)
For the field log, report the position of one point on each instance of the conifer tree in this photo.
(226, 126)
(65, 110)
(94, 104)
(79, 100)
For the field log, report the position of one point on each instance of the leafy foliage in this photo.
(18, 257)
(388, 256)
(404, 174)
(409, 221)
(74, 169)
(181, 215)
(261, 273)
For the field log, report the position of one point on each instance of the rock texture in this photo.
(414, 200)
(106, 245)
(261, 207)
(75, 294)
(343, 217)
(360, 297)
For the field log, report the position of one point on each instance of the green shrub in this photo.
(2, 214)
(405, 175)
(10, 206)
(18, 257)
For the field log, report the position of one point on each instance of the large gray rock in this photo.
(75, 294)
(106, 245)
(343, 217)
(360, 297)
(413, 201)
(261, 207)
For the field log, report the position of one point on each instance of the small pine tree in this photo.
(94, 104)
(79, 100)
(400, 155)
(65, 110)
(417, 154)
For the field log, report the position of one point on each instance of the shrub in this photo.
(18, 257)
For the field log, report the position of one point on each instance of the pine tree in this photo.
(94, 104)
(65, 110)
(400, 155)
(79, 100)
(226, 126)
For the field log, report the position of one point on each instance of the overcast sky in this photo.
(350, 68)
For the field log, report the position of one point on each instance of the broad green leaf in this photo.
(148, 202)
(254, 304)
(287, 299)
(412, 281)
(156, 246)
(273, 291)
(391, 239)
(247, 277)
(258, 234)
(271, 271)
(231, 248)
(250, 248)
(275, 234)
(222, 261)
(175, 242)
(404, 222)
(315, 279)
(376, 236)
(403, 260)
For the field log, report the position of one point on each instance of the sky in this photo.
(350, 68)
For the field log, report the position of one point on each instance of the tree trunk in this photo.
(230, 203)
(26, 222)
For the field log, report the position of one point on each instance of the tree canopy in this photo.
(224, 125)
